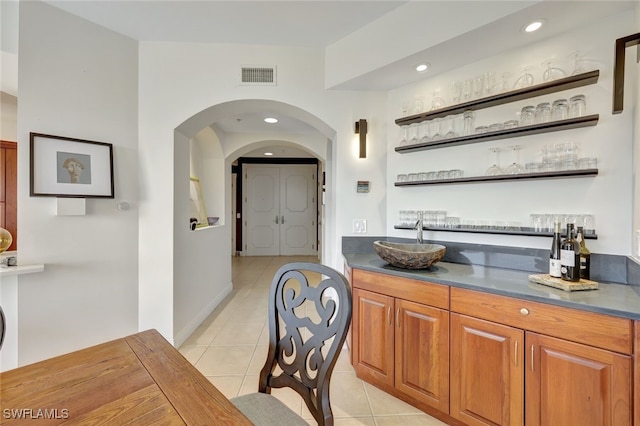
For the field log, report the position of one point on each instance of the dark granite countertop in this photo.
(613, 299)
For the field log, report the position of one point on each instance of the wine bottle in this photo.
(570, 257)
(554, 255)
(585, 255)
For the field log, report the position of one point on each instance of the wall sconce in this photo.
(361, 129)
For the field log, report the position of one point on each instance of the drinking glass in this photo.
(437, 101)
(578, 106)
(525, 79)
(449, 126)
(434, 129)
(468, 118)
(478, 87)
(405, 131)
(495, 169)
(511, 124)
(527, 115)
(467, 90)
(578, 60)
(456, 91)
(424, 128)
(552, 72)
(515, 167)
(543, 113)
(413, 131)
(418, 105)
(560, 109)
(501, 85)
(495, 127)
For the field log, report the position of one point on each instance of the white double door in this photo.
(280, 206)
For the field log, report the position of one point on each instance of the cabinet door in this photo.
(487, 377)
(373, 336)
(422, 353)
(571, 384)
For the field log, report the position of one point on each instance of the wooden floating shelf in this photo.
(522, 231)
(566, 83)
(502, 178)
(552, 126)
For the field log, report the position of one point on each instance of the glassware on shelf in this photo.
(456, 91)
(525, 79)
(450, 127)
(481, 129)
(511, 124)
(434, 129)
(495, 169)
(577, 106)
(418, 105)
(578, 62)
(501, 85)
(587, 163)
(527, 115)
(405, 135)
(560, 109)
(543, 113)
(468, 118)
(424, 129)
(552, 72)
(496, 127)
(413, 131)
(515, 168)
(437, 101)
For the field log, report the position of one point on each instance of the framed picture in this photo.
(69, 167)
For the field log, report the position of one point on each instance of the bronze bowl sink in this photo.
(409, 255)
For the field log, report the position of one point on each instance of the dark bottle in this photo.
(554, 255)
(585, 255)
(570, 257)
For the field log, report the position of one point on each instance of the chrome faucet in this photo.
(419, 227)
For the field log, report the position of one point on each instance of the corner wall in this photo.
(77, 80)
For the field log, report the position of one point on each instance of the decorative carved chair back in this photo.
(309, 316)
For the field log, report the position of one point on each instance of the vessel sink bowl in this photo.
(409, 256)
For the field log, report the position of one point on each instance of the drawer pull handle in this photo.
(524, 311)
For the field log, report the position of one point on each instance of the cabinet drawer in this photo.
(599, 330)
(404, 288)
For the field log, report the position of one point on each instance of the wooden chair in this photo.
(308, 325)
(3, 326)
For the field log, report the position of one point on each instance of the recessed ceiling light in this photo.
(422, 67)
(268, 153)
(534, 25)
(270, 120)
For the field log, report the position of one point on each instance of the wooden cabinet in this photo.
(487, 376)
(576, 385)
(400, 345)
(9, 190)
(582, 376)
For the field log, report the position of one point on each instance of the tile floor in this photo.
(230, 347)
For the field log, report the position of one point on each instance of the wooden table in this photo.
(140, 379)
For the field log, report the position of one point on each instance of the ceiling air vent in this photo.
(258, 75)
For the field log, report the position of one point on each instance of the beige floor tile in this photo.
(225, 360)
(238, 334)
(354, 421)
(228, 385)
(192, 352)
(203, 335)
(348, 398)
(384, 404)
(258, 360)
(408, 420)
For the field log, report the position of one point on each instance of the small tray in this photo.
(548, 280)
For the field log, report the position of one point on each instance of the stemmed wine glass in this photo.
(413, 128)
(437, 101)
(515, 167)
(450, 127)
(425, 132)
(552, 72)
(578, 59)
(495, 169)
(435, 132)
(405, 130)
(525, 79)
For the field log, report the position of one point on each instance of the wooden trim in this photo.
(636, 373)
(618, 69)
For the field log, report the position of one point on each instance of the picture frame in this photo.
(196, 202)
(69, 167)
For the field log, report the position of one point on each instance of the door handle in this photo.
(277, 219)
(282, 220)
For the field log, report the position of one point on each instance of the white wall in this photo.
(77, 80)
(607, 196)
(8, 117)
(631, 57)
(178, 81)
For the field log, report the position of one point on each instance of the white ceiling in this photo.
(319, 24)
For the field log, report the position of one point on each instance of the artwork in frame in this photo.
(196, 202)
(69, 167)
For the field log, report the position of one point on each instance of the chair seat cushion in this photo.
(266, 410)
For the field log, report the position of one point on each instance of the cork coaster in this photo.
(548, 280)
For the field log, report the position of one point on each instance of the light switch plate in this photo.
(359, 226)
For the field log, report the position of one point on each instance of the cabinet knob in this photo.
(524, 311)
